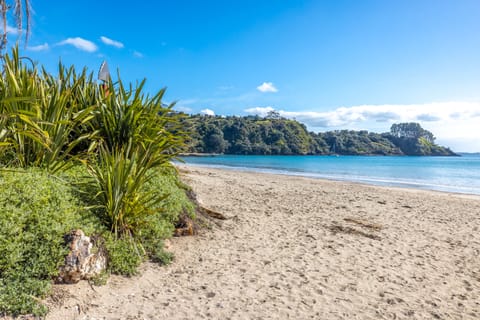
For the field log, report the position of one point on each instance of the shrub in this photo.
(132, 140)
(160, 225)
(125, 254)
(126, 189)
(36, 211)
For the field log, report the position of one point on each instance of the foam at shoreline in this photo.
(398, 183)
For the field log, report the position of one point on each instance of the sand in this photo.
(298, 248)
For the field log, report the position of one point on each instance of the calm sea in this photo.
(452, 174)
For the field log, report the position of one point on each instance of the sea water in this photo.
(452, 174)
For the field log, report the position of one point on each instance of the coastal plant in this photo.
(123, 255)
(134, 138)
(21, 136)
(126, 253)
(36, 211)
(74, 155)
(119, 175)
(40, 115)
(160, 225)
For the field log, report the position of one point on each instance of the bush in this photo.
(125, 190)
(160, 225)
(126, 254)
(36, 211)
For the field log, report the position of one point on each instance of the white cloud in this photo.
(81, 44)
(110, 42)
(207, 112)
(183, 109)
(137, 54)
(346, 116)
(261, 111)
(267, 87)
(453, 123)
(41, 47)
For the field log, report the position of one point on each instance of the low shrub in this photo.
(126, 253)
(36, 211)
(126, 190)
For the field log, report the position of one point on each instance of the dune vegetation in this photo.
(78, 155)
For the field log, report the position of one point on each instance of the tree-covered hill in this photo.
(274, 135)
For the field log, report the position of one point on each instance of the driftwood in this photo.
(211, 213)
(186, 226)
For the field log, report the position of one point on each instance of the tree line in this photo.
(274, 135)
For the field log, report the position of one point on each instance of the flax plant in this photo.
(40, 115)
(134, 138)
(120, 175)
(21, 135)
(121, 134)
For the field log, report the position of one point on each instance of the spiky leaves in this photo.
(132, 140)
(41, 115)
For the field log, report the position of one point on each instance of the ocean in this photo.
(451, 174)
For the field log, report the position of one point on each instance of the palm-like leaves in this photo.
(40, 116)
(52, 121)
(132, 139)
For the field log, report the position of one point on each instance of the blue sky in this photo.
(336, 64)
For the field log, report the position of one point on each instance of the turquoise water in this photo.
(452, 174)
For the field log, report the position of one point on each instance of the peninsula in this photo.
(274, 135)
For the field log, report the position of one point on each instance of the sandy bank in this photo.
(298, 248)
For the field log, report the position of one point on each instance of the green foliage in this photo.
(274, 135)
(349, 142)
(125, 190)
(100, 279)
(166, 183)
(160, 225)
(36, 211)
(119, 177)
(412, 139)
(124, 255)
(132, 140)
(40, 113)
(248, 135)
(411, 130)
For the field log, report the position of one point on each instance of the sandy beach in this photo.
(298, 248)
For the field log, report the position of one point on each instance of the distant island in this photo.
(275, 135)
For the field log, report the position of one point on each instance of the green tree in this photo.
(411, 130)
(214, 142)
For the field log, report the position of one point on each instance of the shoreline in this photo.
(363, 182)
(300, 248)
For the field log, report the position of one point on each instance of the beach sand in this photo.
(298, 248)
